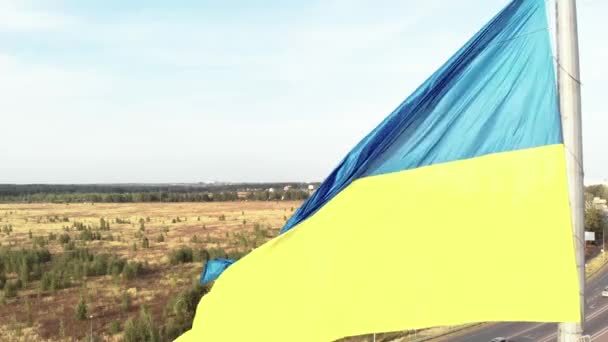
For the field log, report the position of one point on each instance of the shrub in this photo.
(181, 308)
(70, 246)
(10, 289)
(81, 310)
(132, 270)
(114, 327)
(125, 304)
(181, 256)
(141, 328)
(64, 238)
(28, 312)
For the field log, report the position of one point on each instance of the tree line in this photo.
(24, 189)
(595, 219)
(127, 197)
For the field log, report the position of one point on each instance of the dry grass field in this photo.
(34, 314)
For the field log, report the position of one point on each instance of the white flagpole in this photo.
(570, 108)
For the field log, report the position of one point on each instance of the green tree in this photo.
(81, 310)
(10, 289)
(141, 329)
(145, 243)
(24, 272)
(593, 219)
(28, 312)
(114, 327)
(125, 304)
(2, 279)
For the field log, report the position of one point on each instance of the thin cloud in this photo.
(18, 16)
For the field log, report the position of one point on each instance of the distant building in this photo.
(287, 187)
(311, 189)
(599, 204)
(271, 190)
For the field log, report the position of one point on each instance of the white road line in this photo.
(548, 338)
(600, 333)
(525, 331)
(597, 313)
(588, 318)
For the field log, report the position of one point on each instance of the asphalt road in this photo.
(596, 321)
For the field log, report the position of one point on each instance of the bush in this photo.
(180, 310)
(64, 238)
(70, 246)
(141, 328)
(125, 304)
(81, 310)
(132, 270)
(114, 327)
(28, 312)
(181, 256)
(10, 289)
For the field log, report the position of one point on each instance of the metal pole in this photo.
(568, 78)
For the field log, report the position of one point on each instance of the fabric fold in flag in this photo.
(213, 269)
(453, 210)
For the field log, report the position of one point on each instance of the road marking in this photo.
(597, 313)
(587, 319)
(600, 333)
(525, 331)
(548, 338)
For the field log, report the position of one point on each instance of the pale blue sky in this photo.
(187, 91)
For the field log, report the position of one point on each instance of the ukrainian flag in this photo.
(453, 210)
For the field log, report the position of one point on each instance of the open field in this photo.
(137, 232)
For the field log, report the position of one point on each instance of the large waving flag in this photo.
(453, 210)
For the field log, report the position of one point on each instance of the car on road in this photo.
(500, 339)
(605, 292)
